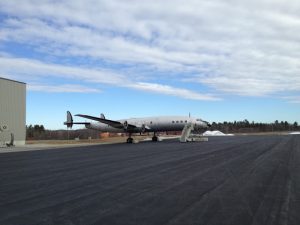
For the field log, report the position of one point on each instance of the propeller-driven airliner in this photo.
(138, 125)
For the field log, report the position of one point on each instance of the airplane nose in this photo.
(207, 123)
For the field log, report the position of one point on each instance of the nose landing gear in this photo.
(154, 138)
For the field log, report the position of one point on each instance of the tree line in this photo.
(253, 127)
(38, 132)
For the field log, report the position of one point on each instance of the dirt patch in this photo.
(92, 141)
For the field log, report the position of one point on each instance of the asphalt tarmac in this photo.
(227, 180)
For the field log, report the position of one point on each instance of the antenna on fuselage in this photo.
(102, 116)
(189, 115)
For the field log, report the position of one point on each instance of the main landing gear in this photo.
(129, 139)
(154, 138)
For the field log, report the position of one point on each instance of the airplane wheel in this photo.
(154, 138)
(129, 140)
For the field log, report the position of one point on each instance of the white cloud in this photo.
(168, 90)
(34, 72)
(238, 47)
(67, 88)
(292, 99)
(21, 68)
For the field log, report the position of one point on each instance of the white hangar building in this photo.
(12, 112)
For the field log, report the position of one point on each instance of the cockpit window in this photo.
(198, 120)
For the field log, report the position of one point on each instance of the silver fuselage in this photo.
(153, 124)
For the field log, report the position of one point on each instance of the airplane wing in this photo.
(113, 123)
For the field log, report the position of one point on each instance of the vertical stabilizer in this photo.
(69, 121)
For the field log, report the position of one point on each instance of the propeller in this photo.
(143, 128)
(125, 124)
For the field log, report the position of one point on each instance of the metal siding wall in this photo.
(13, 108)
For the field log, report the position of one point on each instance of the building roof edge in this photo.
(12, 80)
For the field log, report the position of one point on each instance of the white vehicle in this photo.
(138, 125)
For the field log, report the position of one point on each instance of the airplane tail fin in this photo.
(69, 121)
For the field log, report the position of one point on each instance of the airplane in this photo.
(138, 125)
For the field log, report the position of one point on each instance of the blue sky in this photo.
(220, 61)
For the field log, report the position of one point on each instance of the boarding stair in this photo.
(186, 132)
